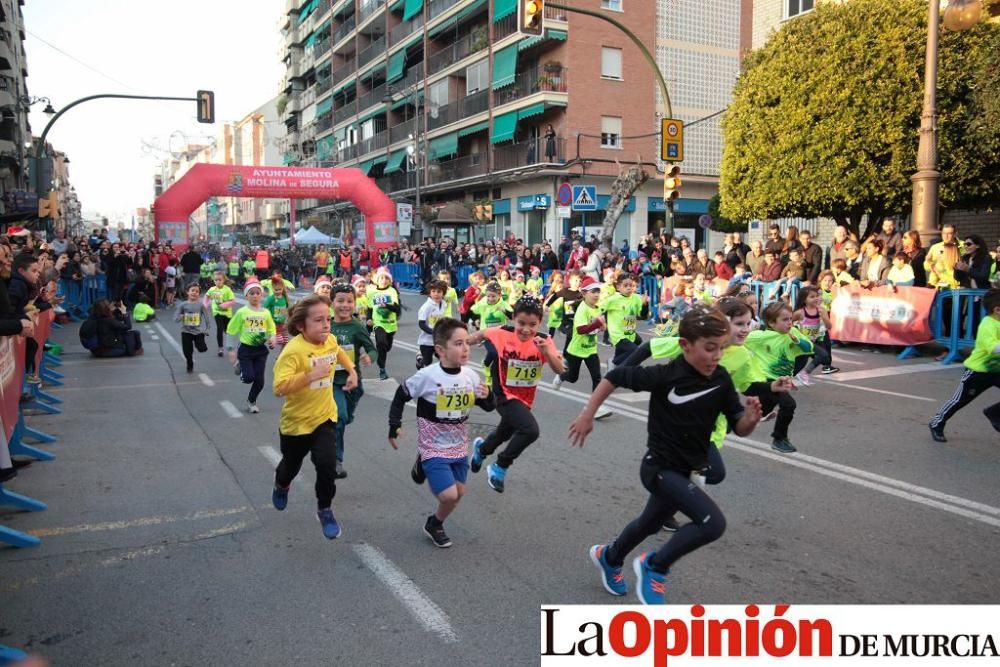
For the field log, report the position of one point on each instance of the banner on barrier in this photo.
(43, 327)
(11, 373)
(882, 315)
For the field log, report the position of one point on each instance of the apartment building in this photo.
(447, 99)
(18, 200)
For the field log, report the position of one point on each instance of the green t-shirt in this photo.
(142, 312)
(253, 327)
(382, 317)
(556, 314)
(269, 286)
(983, 359)
(665, 347)
(278, 307)
(450, 303)
(534, 286)
(623, 313)
(349, 336)
(234, 269)
(207, 269)
(490, 315)
(248, 267)
(583, 345)
(219, 295)
(775, 352)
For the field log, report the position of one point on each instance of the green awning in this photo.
(324, 106)
(472, 9)
(559, 35)
(326, 25)
(344, 85)
(397, 66)
(308, 9)
(472, 129)
(536, 109)
(529, 42)
(504, 66)
(503, 9)
(438, 29)
(325, 147)
(395, 162)
(397, 6)
(379, 160)
(503, 127)
(412, 8)
(366, 166)
(406, 100)
(442, 147)
(373, 72)
(310, 40)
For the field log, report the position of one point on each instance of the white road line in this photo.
(423, 609)
(136, 523)
(271, 454)
(838, 360)
(154, 337)
(205, 380)
(230, 409)
(887, 371)
(170, 339)
(840, 350)
(825, 378)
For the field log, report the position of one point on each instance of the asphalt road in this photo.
(161, 547)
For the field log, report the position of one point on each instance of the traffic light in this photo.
(206, 106)
(483, 212)
(671, 183)
(44, 207)
(531, 17)
(54, 212)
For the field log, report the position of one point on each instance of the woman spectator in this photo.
(973, 269)
(917, 254)
(115, 335)
(592, 265)
(790, 243)
(875, 266)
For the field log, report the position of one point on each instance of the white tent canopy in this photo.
(311, 236)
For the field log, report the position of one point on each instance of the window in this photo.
(477, 76)
(611, 132)
(614, 5)
(796, 7)
(611, 63)
(437, 94)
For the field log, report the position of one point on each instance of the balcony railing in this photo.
(348, 153)
(307, 97)
(528, 153)
(461, 167)
(402, 131)
(531, 82)
(372, 97)
(400, 180)
(323, 85)
(349, 68)
(374, 143)
(344, 30)
(374, 50)
(459, 109)
(324, 122)
(555, 14)
(369, 9)
(414, 74)
(449, 55)
(438, 7)
(504, 27)
(321, 47)
(345, 112)
(405, 29)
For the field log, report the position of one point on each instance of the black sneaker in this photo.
(190, 368)
(417, 472)
(340, 473)
(782, 445)
(994, 416)
(437, 534)
(420, 361)
(670, 525)
(830, 370)
(382, 375)
(937, 434)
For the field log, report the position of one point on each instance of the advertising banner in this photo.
(882, 315)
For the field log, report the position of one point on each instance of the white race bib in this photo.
(328, 380)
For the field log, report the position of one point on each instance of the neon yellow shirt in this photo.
(220, 295)
(623, 314)
(253, 327)
(983, 359)
(312, 405)
(142, 312)
(583, 345)
(382, 317)
(776, 352)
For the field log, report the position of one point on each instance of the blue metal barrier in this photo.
(769, 292)
(963, 308)
(406, 275)
(546, 275)
(462, 276)
(650, 285)
(72, 293)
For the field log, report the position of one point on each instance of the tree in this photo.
(629, 180)
(721, 223)
(824, 119)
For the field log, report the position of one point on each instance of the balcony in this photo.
(344, 30)
(553, 14)
(436, 8)
(405, 29)
(369, 9)
(348, 153)
(345, 112)
(461, 167)
(323, 85)
(321, 47)
(413, 75)
(455, 111)
(531, 82)
(374, 143)
(400, 180)
(450, 55)
(348, 69)
(528, 153)
(402, 131)
(324, 122)
(373, 51)
(504, 27)
(372, 97)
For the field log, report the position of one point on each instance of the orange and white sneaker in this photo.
(612, 578)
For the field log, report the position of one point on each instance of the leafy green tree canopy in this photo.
(824, 119)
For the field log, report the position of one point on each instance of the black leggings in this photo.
(320, 445)
(769, 399)
(624, 349)
(516, 424)
(970, 386)
(190, 341)
(573, 362)
(221, 324)
(253, 362)
(426, 355)
(383, 343)
(669, 492)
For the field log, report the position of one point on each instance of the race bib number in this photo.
(454, 402)
(280, 313)
(628, 324)
(349, 349)
(191, 319)
(254, 324)
(328, 380)
(521, 373)
(216, 297)
(382, 300)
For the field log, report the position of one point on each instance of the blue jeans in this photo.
(346, 401)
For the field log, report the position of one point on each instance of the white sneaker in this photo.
(557, 382)
(611, 365)
(803, 379)
(769, 416)
(602, 412)
(252, 408)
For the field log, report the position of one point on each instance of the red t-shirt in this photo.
(515, 365)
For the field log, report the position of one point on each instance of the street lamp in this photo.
(959, 15)
(413, 150)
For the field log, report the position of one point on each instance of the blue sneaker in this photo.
(612, 577)
(331, 529)
(649, 584)
(476, 463)
(495, 476)
(279, 497)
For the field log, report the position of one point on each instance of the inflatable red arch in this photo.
(172, 208)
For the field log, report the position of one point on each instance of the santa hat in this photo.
(321, 281)
(251, 284)
(15, 230)
(589, 284)
(382, 271)
(355, 279)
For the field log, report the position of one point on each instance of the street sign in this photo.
(565, 194)
(672, 140)
(564, 212)
(404, 213)
(584, 197)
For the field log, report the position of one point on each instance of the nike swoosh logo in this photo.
(677, 399)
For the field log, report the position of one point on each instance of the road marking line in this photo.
(841, 350)
(421, 607)
(224, 530)
(170, 339)
(230, 409)
(154, 337)
(887, 371)
(271, 454)
(824, 378)
(850, 363)
(132, 555)
(131, 386)
(205, 380)
(137, 523)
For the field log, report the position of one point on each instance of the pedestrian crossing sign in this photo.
(584, 197)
